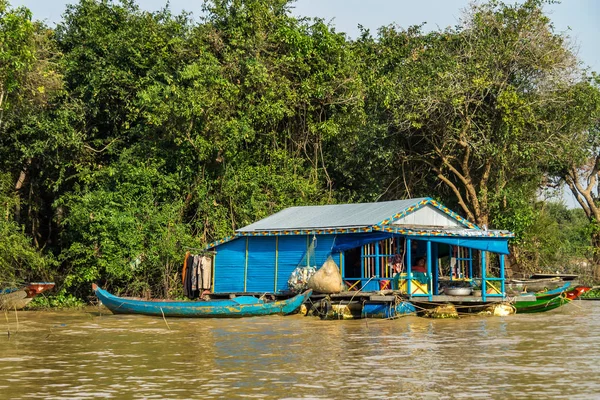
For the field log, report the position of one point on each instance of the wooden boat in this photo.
(546, 301)
(564, 277)
(18, 298)
(516, 286)
(242, 306)
(540, 305)
(574, 293)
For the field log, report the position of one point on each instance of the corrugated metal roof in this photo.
(331, 216)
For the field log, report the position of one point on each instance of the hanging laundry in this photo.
(206, 272)
(187, 275)
(196, 275)
(184, 270)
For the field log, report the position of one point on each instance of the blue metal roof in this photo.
(332, 216)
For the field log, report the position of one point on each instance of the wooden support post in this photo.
(363, 265)
(276, 262)
(246, 266)
(436, 269)
(501, 256)
(483, 276)
(377, 263)
(430, 291)
(408, 267)
(214, 272)
(470, 263)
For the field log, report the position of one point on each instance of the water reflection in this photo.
(92, 355)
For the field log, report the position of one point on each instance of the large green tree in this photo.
(578, 164)
(35, 135)
(470, 103)
(236, 110)
(128, 135)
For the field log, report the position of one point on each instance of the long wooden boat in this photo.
(517, 286)
(18, 298)
(540, 305)
(564, 277)
(546, 301)
(242, 306)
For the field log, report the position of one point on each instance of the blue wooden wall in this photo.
(271, 260)
(261, 264)
(291, 251)
(229, 266)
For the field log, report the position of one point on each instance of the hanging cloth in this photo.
(184, 270)
(187, 283)
(206, 273)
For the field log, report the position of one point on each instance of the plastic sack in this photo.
(298, 280)
(327, 279)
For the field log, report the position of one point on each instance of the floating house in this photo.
(365, 240)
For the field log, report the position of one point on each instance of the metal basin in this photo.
(458, 291)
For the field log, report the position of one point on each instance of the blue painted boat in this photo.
(243, 306)
(553, 292)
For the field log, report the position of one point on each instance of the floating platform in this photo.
(392, 304)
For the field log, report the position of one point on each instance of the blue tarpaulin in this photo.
(347, 242)
(492, 244)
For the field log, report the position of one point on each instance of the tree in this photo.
(471, 102)
(124, 228)
(237, 111)
(255, 112)
(33, 126)
(578, 164)
(16, 50)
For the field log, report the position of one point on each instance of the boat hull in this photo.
(234, 308)
(546, 301)
(14, 300)
(540, 305)
(17, 299)
(532, 285)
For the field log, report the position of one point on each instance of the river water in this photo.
(94, 354)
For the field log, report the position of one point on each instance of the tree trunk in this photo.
(18, 187)
(596, 255)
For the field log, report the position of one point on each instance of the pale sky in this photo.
(579, 18)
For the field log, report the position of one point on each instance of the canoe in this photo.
(517, 286)
(564, 277)
(540, 305)
(545, 301)
(574, 293)
(18, 298)
(242, 306)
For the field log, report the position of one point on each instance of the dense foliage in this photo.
(129, 136)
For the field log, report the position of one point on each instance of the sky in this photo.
(578, 19)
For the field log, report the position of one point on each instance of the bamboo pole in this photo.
(17, 317)
(7, 323)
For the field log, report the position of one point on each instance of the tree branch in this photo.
(456, 191)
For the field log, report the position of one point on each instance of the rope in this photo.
(163, 315)
(575, 305)
(359, 290)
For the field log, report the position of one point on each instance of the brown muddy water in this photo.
(94, 354)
